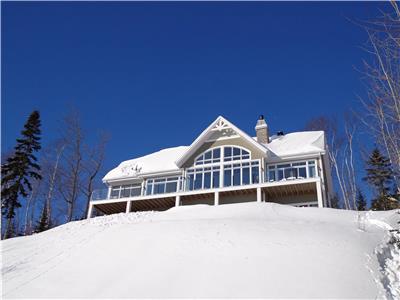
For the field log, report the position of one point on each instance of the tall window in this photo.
(292, 170)
(233, 163)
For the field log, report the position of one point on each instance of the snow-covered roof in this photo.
(160, 161)
(291, 144)
(296, 143)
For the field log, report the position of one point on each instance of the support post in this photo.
(89, 215)
(319, 193)
(128, 206)
(258, 194)
(264, 197)
(177, 201)
(216, 198)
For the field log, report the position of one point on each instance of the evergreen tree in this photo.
(19, 168)
(44, 222)
(335, 202)
(380, 177)
(361, 203)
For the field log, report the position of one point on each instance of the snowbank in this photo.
(239, 250)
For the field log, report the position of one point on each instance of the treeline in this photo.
(43, 187)
(376, 121)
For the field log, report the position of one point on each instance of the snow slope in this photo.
(237, 250)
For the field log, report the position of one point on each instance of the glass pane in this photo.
(216, 153)
(125, 192)
(207, 155)
(159, 188)
(284, 166)
(311, 162)
(190, 182)
(290, 173)
(244, 152)
(172, 179)
(114, 193)
(215, 179)
(227, 178)
(299, 164)
(246, 175)
(255, 174)
(236, 177)
(207, 180)
(135, 192)
(236, 151)
(302, 173)
(170, 187)
(148, 188)
(227, 152)
(280, 174)
(311, 171)
(271, 175)
(198, 181)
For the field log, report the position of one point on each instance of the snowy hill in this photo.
(238, 250)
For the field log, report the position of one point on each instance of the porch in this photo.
(299, 192)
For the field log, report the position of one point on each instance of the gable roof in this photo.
(170, 160)
(219, 124)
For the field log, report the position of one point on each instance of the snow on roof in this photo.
(291, 144)
(160, 161)
(296, 143)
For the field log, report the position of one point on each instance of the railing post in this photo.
(216, 198)
(319, 193)
(259, 194)
(89, 215)
(177, 200)
(128, 206)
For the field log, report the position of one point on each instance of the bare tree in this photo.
(30, 206)
(382, 78)
(340, 150)
(51, 173)
(69, 184)
(92, 166)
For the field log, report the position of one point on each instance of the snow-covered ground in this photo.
(239, 250)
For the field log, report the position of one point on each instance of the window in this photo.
(311, 168)
(290, 171)
(239, 173)
(162, 185)
(125, 191)
(234, 162)
(202, 178)
(235, 153)
(209, 157)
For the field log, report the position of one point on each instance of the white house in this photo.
(223, 165)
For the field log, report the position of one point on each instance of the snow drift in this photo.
(239, 250)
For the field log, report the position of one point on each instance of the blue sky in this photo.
(154, 75)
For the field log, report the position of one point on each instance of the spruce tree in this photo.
(361, 203)
(19, 168)
(44, 222)
(380, 177)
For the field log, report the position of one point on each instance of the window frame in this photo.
(288, 166)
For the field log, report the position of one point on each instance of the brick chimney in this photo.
(262, 131)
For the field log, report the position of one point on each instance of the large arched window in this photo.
(230, 153)
(222, 167)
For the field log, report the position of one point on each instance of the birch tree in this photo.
(382, 78)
